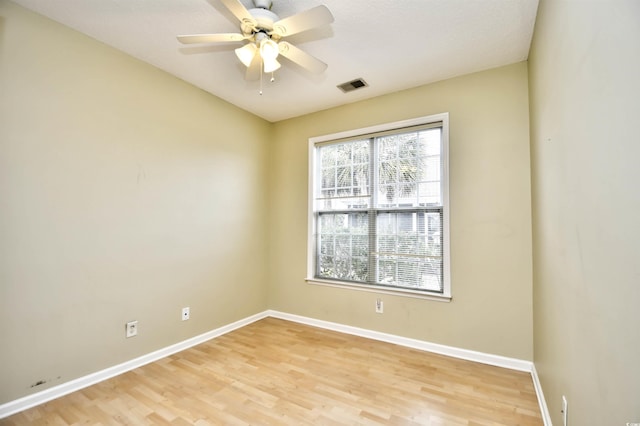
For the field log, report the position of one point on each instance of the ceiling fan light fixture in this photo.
(270, 65)
(268, 49)
(246, 53)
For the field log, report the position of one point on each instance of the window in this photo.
(379, 208)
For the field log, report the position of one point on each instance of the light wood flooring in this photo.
(276, 372)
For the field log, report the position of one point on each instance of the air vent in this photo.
(352, 85)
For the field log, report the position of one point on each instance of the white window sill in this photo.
(380, 290)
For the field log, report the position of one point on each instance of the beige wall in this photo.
(124, 194)
(585, 101)
(490, 217)
(113, 177)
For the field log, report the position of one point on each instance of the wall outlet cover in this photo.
(131, 329)
(379, 306)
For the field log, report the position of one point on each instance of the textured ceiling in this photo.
(392, 44)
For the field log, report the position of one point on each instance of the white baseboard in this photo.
(484, 358)
(46, 395)
(544, 410)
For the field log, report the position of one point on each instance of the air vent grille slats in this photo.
(352, 85)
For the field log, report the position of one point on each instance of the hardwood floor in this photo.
(275, 372)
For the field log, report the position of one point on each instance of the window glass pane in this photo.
(387, 244)
(327, 157)
(409, 169)
(343, 153)
(409, 249)
(387, 148)
(360, 246)
(430, 189)
(344, 174)
(386, 224)
(400, 168)
(407, 272)
(328, 178)
(431, 140)
(325, 264)
(430, 193)
(344, 246)
(327, 245)
(387, 172)
(345, 177)
(434, 233)
(387, 271)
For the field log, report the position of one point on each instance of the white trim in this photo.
(416, 294)
(544, 410)
(484, 358)
(47, 395)
(380, 128)
(311, 223)
(445, 205)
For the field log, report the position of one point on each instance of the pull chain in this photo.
(273, 78)
(261, 72)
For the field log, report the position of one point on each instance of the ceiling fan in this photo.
(264, 30)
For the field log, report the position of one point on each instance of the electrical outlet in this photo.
(131, 329)
(379, 306)
(565, 410)
(186, 313)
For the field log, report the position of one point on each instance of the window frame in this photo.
(397, 126)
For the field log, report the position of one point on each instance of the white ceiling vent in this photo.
(352, 85)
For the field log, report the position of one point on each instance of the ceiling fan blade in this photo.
(303, 21)
(210, 38)
(301, 58)
(238, 10)
(255, 68)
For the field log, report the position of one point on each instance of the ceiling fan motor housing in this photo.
(263, 4)
(264, 20)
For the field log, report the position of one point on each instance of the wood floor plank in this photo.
(276, 372)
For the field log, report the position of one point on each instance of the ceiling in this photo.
(391, 44)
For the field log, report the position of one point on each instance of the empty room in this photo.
(248, 212)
